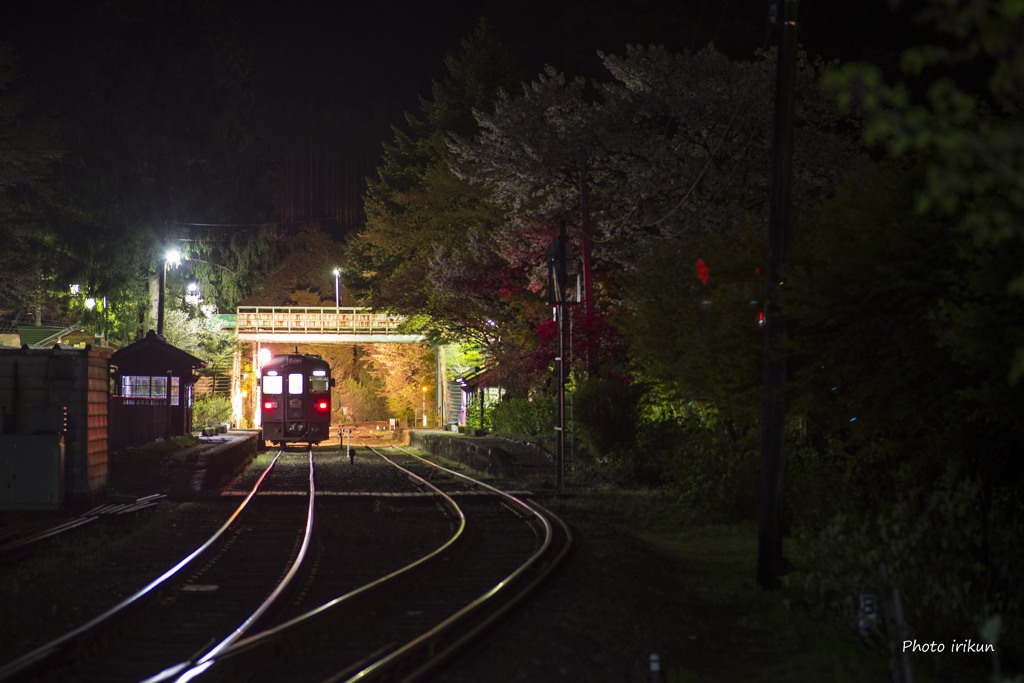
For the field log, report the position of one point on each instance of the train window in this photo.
(318, 384)
(295, 383)
(273, 384)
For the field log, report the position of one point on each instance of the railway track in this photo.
(397, 578)
(224, 587)
(406, 624)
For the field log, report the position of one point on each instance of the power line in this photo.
(251, 225)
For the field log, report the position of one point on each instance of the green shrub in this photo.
(606, 419)
(525, 419)
(473, 415)
(210, 410)
(953, 555)
(715, 468)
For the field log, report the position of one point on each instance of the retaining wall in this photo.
(493, 455)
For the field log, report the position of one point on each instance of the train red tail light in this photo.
(322, 405)
(269, 405)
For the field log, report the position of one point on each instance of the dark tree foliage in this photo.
(154, 105)
(28, 146)
(698, 341)
(867, 282)
(426, 240)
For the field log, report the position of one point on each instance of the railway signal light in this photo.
(702, 271)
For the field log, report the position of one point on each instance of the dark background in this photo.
(329, 79)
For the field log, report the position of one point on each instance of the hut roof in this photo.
(154, 355)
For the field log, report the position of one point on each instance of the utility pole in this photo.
(773, 452)
(160, 298)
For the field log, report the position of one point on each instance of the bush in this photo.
(715, 467)
(473, 415)
(525, 419)
(606, 419)
(954, 562)
(210, 410)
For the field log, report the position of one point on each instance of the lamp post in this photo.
(424, 390)
(337, 288)
(559, 259)
(173, 257)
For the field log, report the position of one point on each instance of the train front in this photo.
(296, 399)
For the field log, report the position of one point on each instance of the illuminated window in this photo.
(149, 388)
(295, 383)
(273, 384)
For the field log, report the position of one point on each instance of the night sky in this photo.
(334, 76)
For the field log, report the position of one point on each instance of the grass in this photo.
(739, 632)
(755, 630)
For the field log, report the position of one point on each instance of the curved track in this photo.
(412, 620)
(256, 552)
(389, 584)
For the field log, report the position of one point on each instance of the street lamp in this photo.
(337, 288)
(172, 257)
(559, 260)
(424, 390)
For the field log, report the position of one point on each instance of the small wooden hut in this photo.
(151, 392)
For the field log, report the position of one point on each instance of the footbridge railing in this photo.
(319, 324)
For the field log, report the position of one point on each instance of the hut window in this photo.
(152, 388)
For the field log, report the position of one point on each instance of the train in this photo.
(295, 400)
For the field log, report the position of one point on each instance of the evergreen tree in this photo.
(29, 145)
(155, 118)
(419, 218)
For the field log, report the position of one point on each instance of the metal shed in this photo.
(53, 425)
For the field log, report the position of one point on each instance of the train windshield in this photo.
(318, 384)
(273, 384)
(295, 383)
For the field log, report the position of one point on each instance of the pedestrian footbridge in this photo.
(319, 325)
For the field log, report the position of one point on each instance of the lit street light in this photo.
(424, 390)
(337, 288)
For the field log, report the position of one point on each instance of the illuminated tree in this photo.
(402, 370)
(416, 206)
(675, 144)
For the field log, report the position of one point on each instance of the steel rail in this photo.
(186, 671)
(49, 649)
(267, 636)
(538, 513)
